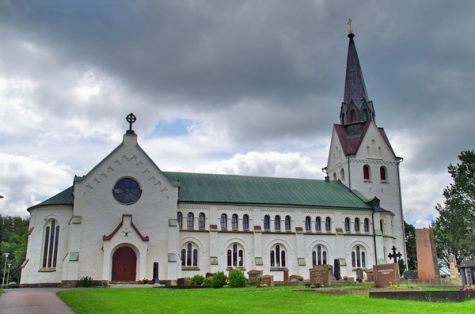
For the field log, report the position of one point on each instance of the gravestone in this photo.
(385, 275)
(359, 275)
(286, 275)
(369, 275)
(182, 282)
(336, 269)
(321, 274)
(268, 280)
(253, 274)
(426, 254)
(410, 275)
(295, 278)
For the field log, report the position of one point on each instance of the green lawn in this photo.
(241, 300)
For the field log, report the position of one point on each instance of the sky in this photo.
(229, 86)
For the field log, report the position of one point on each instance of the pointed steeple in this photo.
(356, 106)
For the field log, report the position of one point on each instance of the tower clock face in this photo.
(127, 191)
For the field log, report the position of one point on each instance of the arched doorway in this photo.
(124, 264)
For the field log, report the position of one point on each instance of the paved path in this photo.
(33, 301)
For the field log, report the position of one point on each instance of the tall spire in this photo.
(356, 106)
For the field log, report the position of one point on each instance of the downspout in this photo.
(374, 241)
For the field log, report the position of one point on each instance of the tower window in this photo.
(308, 223)
(201, 221)
(347, 224)
(328, 224)
(234, 222)
(357, 225)
(224, 222)
(366, 172)
(382, 173)
(266, 222)
(245, 222)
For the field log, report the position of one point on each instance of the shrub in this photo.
(218, 280)
(86, 281)
(197, 279)
(237, 279)
(259, 279)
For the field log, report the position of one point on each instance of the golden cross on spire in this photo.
(350, 29)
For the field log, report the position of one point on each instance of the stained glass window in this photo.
(127, 191)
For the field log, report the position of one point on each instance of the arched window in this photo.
(234, 222)
(201, 221)
(319, 255)
(381, 226)
(50, 246)
(266, 222)
(365, 115)
(358, 257)
(334, 176)
(366, 225)
(224, 221)
(342, 174)
(347, 224)
(277, 256)
(328, 224)
(357, 225)
(179, 218)
(235, 255)
(318, 224)
(308, 223)
(245, 222)
(189, 255)
(191, 220)
(366, 172)
(382, 173)
(277, 222)
(288, 225)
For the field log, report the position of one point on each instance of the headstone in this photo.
(453, 269)
(295, 278)
(182, 282)
(359, 275)
(321, 274)
(286, 275)
(253, 274)
(385, 275)
(336, 269)
(426, 254)
(268, 280)
(410, 275)
(369, 275)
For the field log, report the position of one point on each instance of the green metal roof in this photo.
(247, 190)
(62, 198)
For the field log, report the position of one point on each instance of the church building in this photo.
(127, 219)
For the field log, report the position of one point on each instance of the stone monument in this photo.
(385, 275)
(453, 269)
(321, 274)
(426, 254)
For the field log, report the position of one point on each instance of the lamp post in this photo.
(4, 269)
(8, 274)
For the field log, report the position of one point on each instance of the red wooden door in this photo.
(124, 263)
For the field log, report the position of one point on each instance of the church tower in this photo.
(362, 158)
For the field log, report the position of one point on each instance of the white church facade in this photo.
(127, 219)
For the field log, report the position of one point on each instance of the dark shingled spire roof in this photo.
(355, 88)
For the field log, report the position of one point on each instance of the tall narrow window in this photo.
(347, 224)
(266, 222)
(319, 255)
(191, 220)
(50, 249)
(381, 226)
(179, 218)
(288, 225)
(366, 172)
(318, 224)
(234, 222)
(189, 255)
(277, 223)
(357, 225)
(342, 174)
(328, 224)
(366, 225)
(201, 221)
(358, 257)
(308, 224)
(277, 256)
(245, 222)
(382, 173)
(365, 115)
(224, 222)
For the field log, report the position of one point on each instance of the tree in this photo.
(14, 238)
(454, 229)
(410, 237)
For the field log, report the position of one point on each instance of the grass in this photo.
(241, 300)
(1, 291)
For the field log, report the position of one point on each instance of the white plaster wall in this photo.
(31, 272)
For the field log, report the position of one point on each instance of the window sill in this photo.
(47, 269)
(190, 268)
(367, 181)
(278, 268)
(384, 181)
